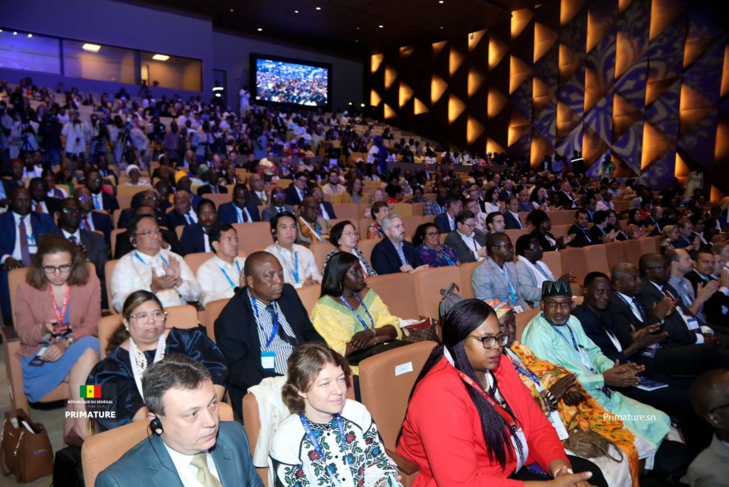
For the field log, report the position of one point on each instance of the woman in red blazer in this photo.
(472, 422)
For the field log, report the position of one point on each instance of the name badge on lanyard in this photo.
(268, 360)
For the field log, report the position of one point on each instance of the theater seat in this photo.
(103, 449)
(428, 284)
(596, 258)
(466, 285)
(309, 295)
(396, 291)
(573, 259)
(253, 236)
(194, 261)
(523, 319)
(212, 311)
(320, 251)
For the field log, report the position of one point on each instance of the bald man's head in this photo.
(710, 398)
(625, 279)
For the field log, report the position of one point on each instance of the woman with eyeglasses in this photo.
(431, 251)
(470, 420)
(345, 238)
(57, 312)
(143, 339)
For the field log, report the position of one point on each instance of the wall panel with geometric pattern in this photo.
(645, 81)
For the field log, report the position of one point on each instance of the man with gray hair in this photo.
(393, 254)
(189, 444)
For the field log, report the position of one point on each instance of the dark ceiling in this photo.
(352, 27)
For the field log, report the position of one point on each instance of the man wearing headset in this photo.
(189, 445)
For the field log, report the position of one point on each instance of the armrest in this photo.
(10, 334)
(406, 467)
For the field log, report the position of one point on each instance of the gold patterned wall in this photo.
(644, 81)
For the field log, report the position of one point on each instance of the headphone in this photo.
(133, 240)
(156, 425)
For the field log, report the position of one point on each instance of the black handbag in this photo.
(355, 358)
(449, 300)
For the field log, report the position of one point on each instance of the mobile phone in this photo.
(38, 359)
(60, 328)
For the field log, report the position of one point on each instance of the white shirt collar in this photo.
(76, 234)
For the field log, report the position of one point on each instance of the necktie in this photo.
(188, 219)
(98, 205)
(280, 210)
(24, 248)
(281, 333)
(680, 304)
(521, 225)
(72, 238)
(204, 476)
(38, 207)
(639, 308)
(86, 222)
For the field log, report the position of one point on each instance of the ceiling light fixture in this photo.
(160, 57)
(15, 33)
(318, 8)
(381, 26)
(232, 10)
(296, 11)
(440, 1)
(260, 29)
(30, 35)
(91, 47)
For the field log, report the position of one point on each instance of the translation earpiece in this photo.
(156, 426)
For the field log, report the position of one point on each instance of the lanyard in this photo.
(254, 305)
(443, 254)
(139, 258)
(577, 348)
(317, 447)
(512, 291)
(372, 321)
(61, 313)
(523, 369)
(507, 415)
(232, 284)
(293, 268)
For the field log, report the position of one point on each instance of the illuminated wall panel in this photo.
(646, 81)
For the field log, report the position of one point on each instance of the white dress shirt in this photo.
(472, 245)
(213, 282)
(32, 244)
(306, 264)
(98, 201)
(134, 272)
(42, 204)
(187, 472)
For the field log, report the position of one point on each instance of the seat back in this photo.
(418, 209)
(647, 245)
(428, 284)
(633, 250)
(309, 295)
(385, 382)
(347, 211)
(515, 233)
(103, 449)
(257, 236)
(554, 262)
(395, 290)
(197, 259)
(596, 258)
(402, 209)
(523, 319)
(615, 252)
(108, 272)
(573, 259)
(466, 285)
(367, 245)
(363, 224)
(212, 311)
(15, 277)
(320, 251)
(560, 230)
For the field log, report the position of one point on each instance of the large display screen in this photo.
(290, 81)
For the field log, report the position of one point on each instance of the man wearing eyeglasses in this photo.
(710, 398)
(152, 268)
(102, 200)
(558, 337)
(496, 277)
(469, 243)
(298, 190)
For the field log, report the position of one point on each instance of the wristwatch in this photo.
(69, 341)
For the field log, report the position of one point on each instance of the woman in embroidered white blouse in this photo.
(141, 339)
(329, 440)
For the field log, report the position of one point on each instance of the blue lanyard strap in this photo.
(295, 267)
(512, 291)
(254, 305)
(317, 446)
(139, 258)
(443, 254)
(230, 281)
(522, 368)
(361, 320)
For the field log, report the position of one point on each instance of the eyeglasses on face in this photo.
(552, 305)
(52, 269)
(149, 232)
(155, 315)
(432, 234)
(490, 342)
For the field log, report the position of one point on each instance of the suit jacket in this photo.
(208, 189)
(713, 306)
(270, 211)
(193, 239)
(228, 214)
(596, 234)
(109, 202)
(489, 283)
(9, 185)
(443, 223)
(386, 261)
(582, 237)
(510, 222)
(103, 223)
(465, 254)
(292, 196)
(597, 328)
(124, 246)
(174, 220)
(40, 223)
(236, 332)
(53, 205)
(256, 200)
(678, 332)
(148, 463)
(546, 244)
(330, 209)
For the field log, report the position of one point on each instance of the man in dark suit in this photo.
(41, 203)
(469, 243)
(173, 388)
(393, 254)
(16, 177)
(446, 221)
(680, 325)
(702, 274)
(102, 201)
(298, 190)
(15, 250)
(195, 237)
(278, 205)
(150, 198)
(512, 220)
(264, 300)
(580, 231)
(325, 208)
(182, 214)
(92, 244)
(212, 187)
(124, 246)
(241, 209)
(93, 220)
(257, 190)
(600, 231)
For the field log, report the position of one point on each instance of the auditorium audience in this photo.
(312, 226)
(345, 238)
(297, 261)
(225, 263)
(393, 254)
(431, 252)
(496, 276)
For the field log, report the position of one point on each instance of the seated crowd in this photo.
(490, 404)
